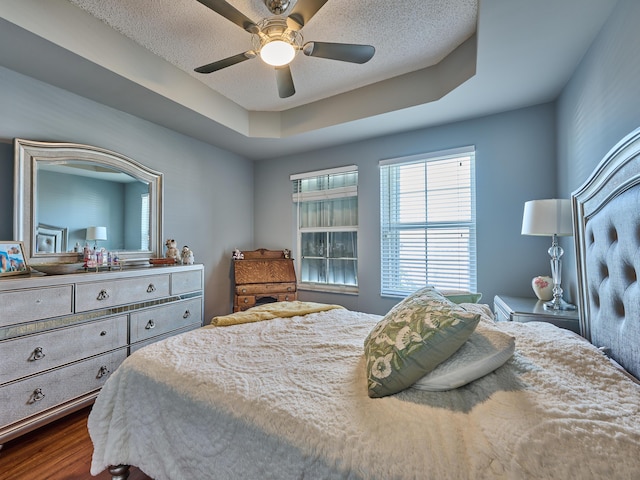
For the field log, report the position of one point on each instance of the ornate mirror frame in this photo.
(28, 154)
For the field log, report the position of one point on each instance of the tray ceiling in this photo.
(408, 36)
(436, 62)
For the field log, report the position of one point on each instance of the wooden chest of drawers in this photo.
(263, 276)
(62, 336)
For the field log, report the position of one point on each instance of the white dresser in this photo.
(61, 336)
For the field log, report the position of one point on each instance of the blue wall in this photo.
(199, 178)
(540, 152)
(599, 106)
(77, 202)
(515, 162)
(66, 202)
(601, 103)
(536, 152)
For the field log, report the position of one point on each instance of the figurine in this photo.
(187, 256)
(172, 251)
(286, 253)
(238, 255)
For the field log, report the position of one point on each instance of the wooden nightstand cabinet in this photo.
(524, 309)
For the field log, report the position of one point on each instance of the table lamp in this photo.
(551, 217)
(95, 234)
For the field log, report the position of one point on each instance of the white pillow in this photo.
(486, 349)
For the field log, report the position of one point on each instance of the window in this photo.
(428, 222)
(327, 229)
(144, 222)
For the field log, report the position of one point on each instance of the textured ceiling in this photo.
(408, 35)
(522, 54)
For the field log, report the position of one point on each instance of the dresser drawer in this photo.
(185, 282)
(35, 394)
(262, 288)
(244, 301)
(287, 297)
(149, 341)
(154, 321)
(36, 353)
(34, 304)
(91, 296)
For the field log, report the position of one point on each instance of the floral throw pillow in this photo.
(418, 334)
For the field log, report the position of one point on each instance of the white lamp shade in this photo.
(547, 217)
(96, 233)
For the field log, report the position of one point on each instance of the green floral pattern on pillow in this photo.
(418, 334)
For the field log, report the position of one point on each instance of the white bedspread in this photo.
(287, 399)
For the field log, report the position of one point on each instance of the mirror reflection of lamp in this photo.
(96, 234)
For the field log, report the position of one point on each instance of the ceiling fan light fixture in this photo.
(276, 43)
(277, 53)
(278, 39)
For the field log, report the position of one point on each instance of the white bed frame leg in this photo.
(119, 472)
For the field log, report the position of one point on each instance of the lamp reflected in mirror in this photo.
(95, 234)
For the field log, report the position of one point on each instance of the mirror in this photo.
(68, 195)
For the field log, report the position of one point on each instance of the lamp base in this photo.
(558, 304)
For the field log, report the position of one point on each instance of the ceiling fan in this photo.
(277, 40)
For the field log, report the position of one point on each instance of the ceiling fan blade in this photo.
(230, 13)
(302, 13)
(284, 81)
(226, 62)
(345, 52)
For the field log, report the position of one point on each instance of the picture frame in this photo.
(51, 239)
(13, 261)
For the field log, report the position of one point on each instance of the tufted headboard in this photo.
(606, 214)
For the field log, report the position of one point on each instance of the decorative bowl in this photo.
(58, 268)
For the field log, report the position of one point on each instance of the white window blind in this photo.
(144, 222)
(428, 222)
(327, 228)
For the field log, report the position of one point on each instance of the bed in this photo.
(289, 396)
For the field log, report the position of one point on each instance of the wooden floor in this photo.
(58, 451)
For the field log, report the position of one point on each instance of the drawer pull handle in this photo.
(103, 333)
(187, 314)
(36, 396)
(37, 354)
(288, 289)
(246, 300)
(151, 288)
(104, 370)
(103, 295)
(150, 324)
(244, 290)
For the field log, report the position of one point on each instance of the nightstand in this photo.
(524, 309)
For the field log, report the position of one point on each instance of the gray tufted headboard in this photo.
(606, 214)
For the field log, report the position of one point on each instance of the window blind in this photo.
(327, 228)
(428, 224)
(145, 222)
